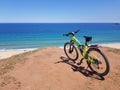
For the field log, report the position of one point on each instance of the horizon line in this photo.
(62, 22)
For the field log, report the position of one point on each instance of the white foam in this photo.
(61, 47)
(5, 53)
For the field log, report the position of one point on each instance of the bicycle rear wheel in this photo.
(70, 51)
(97, 61)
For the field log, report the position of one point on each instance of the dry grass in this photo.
(117, 51)
(4, 81)
(7, 80)
(8, 64)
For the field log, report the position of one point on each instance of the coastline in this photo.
(8, 53)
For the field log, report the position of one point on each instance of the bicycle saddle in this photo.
(87, 39)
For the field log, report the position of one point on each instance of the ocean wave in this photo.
(25, 49)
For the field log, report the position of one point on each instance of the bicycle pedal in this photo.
(79, 63)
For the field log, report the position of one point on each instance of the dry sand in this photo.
(49, 69)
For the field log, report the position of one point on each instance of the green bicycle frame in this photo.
(74, 39)
(84, 47)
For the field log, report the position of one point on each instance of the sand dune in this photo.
(49, 69)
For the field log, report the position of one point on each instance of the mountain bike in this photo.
(95, 58)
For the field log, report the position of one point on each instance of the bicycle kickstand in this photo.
(81, 61)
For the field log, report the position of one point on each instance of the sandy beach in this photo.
(112, 45)
(8, 53)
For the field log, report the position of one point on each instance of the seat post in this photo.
(86, 43)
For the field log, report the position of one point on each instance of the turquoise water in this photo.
(38, 35)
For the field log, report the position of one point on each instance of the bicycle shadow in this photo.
(80, 69)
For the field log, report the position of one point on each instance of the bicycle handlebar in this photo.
(77, 31)
(72, 33)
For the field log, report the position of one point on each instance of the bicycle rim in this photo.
(71, 51)
(98, 61)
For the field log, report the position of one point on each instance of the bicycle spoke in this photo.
(97, 61)
(71, 51)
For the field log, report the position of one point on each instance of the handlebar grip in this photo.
(71, 33)
(77, 31)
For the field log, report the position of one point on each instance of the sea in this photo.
(39, 35)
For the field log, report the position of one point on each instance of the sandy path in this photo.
(48, 69)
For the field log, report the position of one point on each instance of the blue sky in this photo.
(59, 11)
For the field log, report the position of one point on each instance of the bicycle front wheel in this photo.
(98, 62)
(71, 51)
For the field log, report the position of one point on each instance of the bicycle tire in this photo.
(107, 67)
(73, 55)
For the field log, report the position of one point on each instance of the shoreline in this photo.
(111, 45)
(4, 53)
(10, 52)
